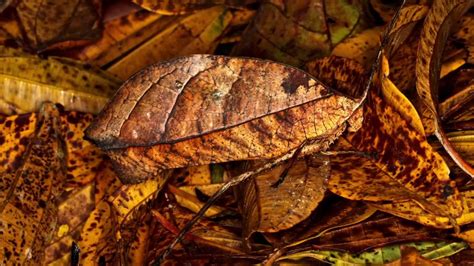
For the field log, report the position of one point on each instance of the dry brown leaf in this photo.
(210, 121)
(437, 25)
(270, 208)
(294, 32)
(193, 34)
(51, 22)
(122, 35)
(168, 7)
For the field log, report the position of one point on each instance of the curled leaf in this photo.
(269, 208)
(437, 25)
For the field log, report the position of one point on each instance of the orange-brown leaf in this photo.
(203, 115)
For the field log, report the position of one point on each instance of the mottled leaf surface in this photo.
(207, 109)
(50, 22)
(73, 84)
(293, 32)
(32, 176)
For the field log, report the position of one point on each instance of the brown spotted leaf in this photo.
(344, 74)
(270, 208)
(439, 21)
(413, 211)
(129, 198)
(50, 22)
(75, 85)
(33, 172)
(98, 235)
(294, 32)
(399, 165)
(205, 109)
(183, 6)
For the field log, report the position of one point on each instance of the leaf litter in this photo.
(139, 134)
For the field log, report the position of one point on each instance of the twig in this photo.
(235, 181)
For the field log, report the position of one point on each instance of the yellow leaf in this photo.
(397, 100)
(361, 47)
(98, 235)
(192, 203)
(29, 185)
(413, 211)
(72, 84)
(129, 198)
(399, 165)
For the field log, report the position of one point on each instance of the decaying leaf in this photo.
(72, 213)
(383, 255)
(361, 47)
(98, 235)
(413, 211)
(50, 22)
(331, 214)
(191, 202)
(129, 198)
(439, 21)
(183, 6)
(396, 99)
(294, 32)
(72, 84)
(32, 177)
(267, 207)
(410, 256)
(403, 164)
(396, 156)
(194, 34)
(203, 115)
(171, 218)
(122, 35)
(343, 74)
